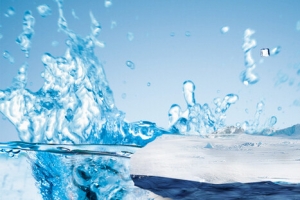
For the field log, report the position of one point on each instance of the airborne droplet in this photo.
(44, 10)
(130, 64)
(7, 56)
(130, 36)
(224, 29)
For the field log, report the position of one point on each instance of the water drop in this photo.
(24, 39)
(10, 12)
(224, 29)
(298, 72)
(296, 102)
(54, 43)
(107, 3)
(298, 26)
(172, 34)
(7, 56)
(124, 96)
(187, 33)
(273, 121)
(148, 84)
(74, 14)
(130, 36)
(44, 10)
(1, 36)
(130, 64)
(246, 111)
(279, 108)
(113, 24)
(275, 51)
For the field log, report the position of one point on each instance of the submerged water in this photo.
(76, 106)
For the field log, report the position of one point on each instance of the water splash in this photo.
(255, 126)
(44, 10)
(8, 56)
(10, 12)
(248, 76)
(199, 119)
(24, 39)
(75, 104)
(130, 64)
(224, 29)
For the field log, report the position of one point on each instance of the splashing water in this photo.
(44, 10)
(74, 106)
(248, 76)
(24, 39)
(197, 119)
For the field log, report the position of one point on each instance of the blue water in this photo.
(75, 110)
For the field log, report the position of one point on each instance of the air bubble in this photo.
(279, 108)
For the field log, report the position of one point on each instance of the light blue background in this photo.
(212, 60)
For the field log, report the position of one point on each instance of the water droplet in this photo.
(44, 10)
(1, 36)
(273, 121)
(279, 108)
(296, 102)
(187, 33)
(172, 34)
(246, 111)
(224, 29)
(54, 43)
(298, 72)
(74, 14)
(10, 12)
(218, 91)
(124, 96)
(275, 51)
(7, 56)
(148, 84)
(130, 64)
(107, 3)
(130, 36)
(113, 24)
(24, 39)
(298, 26)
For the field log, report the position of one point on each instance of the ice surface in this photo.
(233, 158)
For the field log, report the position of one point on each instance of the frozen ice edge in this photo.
(241, 158)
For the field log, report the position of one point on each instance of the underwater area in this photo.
(149, 99)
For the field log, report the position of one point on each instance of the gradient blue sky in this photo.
(212, 60)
